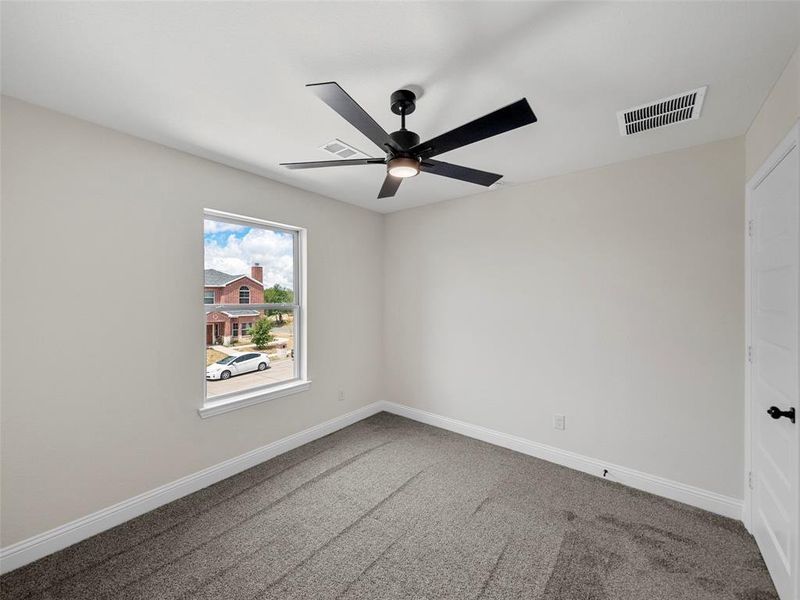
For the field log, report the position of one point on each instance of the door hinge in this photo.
(750, 228)
(750, 480)
(750, 354)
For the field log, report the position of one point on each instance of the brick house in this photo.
(222, 288)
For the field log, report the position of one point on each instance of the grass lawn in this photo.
(213, 356)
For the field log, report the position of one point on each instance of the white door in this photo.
(774, 254)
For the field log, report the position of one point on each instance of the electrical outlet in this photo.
(559, 422)
(341, 395)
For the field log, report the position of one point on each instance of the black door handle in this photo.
(777, 413)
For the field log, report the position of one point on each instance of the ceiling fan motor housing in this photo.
(404, 138)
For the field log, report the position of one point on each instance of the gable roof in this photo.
(218, 278)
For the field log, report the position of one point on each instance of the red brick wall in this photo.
(230, 293)
(216, 317)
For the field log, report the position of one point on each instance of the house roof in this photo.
(218, 278)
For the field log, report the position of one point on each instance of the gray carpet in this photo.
(390, 508)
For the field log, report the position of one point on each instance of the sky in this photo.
(234, 248)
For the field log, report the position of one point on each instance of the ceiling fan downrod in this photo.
(403, 103)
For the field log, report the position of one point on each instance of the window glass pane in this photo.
(250, 265)
(278, 294)
(278, 351)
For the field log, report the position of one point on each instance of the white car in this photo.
(236, 365)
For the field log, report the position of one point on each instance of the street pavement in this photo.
(280, 370)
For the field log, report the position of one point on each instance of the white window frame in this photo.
(213, 296)
(300, 382)
(246, 290)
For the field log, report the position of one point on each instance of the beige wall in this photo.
(95, 410)
(612, 296)
(779, 112)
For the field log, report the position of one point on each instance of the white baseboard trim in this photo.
(674, 490)
(34, 548)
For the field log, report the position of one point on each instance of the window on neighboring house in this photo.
(271, 254)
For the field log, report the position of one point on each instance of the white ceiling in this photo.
(226, 80)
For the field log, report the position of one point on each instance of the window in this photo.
(262, 357)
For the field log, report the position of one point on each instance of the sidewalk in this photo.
(227, 350)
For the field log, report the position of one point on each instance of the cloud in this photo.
(210, 226)
(237, 252)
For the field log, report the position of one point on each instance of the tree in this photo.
(260, 333)
(278, 295)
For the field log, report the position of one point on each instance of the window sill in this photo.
(249, 398)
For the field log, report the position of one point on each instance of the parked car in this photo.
(236, 365)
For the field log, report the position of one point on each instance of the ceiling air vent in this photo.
(666, 111)
(341, 150)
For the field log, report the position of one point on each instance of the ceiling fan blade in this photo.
(437, 167)
(340, 101)
(389, 187)
(333, 163)
(504, 119)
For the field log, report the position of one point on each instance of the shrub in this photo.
(260, 333)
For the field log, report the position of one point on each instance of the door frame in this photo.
(791, 141)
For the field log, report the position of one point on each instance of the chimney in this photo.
(257, 272)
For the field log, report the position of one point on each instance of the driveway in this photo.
(280, 370)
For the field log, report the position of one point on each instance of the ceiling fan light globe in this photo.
(403, 167)
(403, 172)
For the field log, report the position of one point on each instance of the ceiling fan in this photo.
(405, 155)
